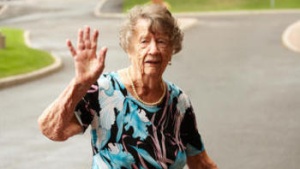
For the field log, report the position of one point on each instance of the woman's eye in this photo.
(162, 42)
(144, 41)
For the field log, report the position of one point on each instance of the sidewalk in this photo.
(291, 37)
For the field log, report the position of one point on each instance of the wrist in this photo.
(80, 86)
(77, 90)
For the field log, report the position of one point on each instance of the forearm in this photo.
(58, 121)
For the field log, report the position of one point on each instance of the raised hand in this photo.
(88, 65)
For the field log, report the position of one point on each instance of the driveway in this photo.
(243, 83)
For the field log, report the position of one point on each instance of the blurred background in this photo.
(240, 66)
(219, 5)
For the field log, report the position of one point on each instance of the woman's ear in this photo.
(129, 55)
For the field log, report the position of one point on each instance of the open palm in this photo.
(88, 65)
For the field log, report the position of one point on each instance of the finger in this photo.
(87, 40)
(80, 44)
(71, 47)
(87, 33)
(94, 40)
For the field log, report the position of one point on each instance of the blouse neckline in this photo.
(118, 78)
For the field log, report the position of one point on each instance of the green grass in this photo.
(219, 5)
(17, 58)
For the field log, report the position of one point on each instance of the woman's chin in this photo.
(152, 71)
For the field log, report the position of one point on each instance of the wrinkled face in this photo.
(149, 51)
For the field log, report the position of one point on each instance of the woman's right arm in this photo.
(58, 122)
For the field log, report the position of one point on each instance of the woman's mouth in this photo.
(152, 63)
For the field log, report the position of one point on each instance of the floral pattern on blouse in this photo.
(128, 134)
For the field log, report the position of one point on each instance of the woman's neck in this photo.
(149, 91)
(144, 81)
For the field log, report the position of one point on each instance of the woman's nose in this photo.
(153, 48)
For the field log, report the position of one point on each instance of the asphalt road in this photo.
(243, 83)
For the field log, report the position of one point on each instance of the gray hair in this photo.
(160, 19)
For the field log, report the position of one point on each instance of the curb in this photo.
(100, 4)
(98, 13)
(291, 37)
(184, 23)
(22, 78)
(233, 13)
(3, 9)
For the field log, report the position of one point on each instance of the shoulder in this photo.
(175, 91)
(178, 95)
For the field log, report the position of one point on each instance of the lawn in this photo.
(17, 57)
(220, 5)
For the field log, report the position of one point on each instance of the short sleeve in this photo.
(88, 106)
(189, 133)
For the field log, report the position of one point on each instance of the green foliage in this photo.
(219, 5)
(17, 58)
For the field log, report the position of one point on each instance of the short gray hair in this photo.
(160, 18)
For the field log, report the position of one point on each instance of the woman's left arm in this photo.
(201, 161)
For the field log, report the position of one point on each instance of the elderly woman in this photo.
(137, 119)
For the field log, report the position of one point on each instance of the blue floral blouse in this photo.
(128, 134)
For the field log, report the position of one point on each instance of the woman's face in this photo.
(149, 52)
